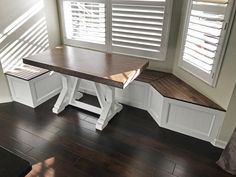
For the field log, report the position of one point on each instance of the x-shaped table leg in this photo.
(70, 96)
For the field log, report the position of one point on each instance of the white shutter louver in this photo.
(138, 27)
(133, 27)
(205, 36)
(85, 21)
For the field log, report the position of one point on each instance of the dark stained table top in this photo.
(110, 69)
(11, 165)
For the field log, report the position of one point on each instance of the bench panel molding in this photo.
(35, 91)
(135, 94)
(45, 87)
(193, 120)
(155, 105)
(20, 90)
(130, 95)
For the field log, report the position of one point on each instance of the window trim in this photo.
(210, 79)
(108, 42)
(82, 44)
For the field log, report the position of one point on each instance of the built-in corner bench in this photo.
(177, 106)
(173, 104)
(32, 86)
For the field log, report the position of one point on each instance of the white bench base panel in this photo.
(186, 118)
(36, 91)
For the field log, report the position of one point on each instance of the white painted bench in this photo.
(173, 104)
(32, 86)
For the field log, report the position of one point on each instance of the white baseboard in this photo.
(219, 143)
(6, 100)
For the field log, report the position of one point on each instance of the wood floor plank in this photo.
(106, 141)
(196, 170)
(132, 145)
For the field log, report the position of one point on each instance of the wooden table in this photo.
(105, 70)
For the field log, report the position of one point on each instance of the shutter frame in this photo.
(82, 43)
(209, 78)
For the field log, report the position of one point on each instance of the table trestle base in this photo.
(106, 97)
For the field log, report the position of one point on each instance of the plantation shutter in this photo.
(205, 36)
(140, 27)
(132, 27)
(85, 22)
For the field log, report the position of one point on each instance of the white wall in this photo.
(17, 17)
(167, 65)
(51, 12)
(14, 9)
(5, 95)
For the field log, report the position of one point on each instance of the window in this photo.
(133, 27)
(85, 23)
(205, 37)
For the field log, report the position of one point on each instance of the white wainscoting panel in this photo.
(87, 87)
(45, 87)
(193, 120)
(20, 90)
(135, 94)
(36, 91)
(155, 105)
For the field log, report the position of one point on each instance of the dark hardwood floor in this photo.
(132, 145)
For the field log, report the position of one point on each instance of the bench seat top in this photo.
(27, 72)
(170, 86)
